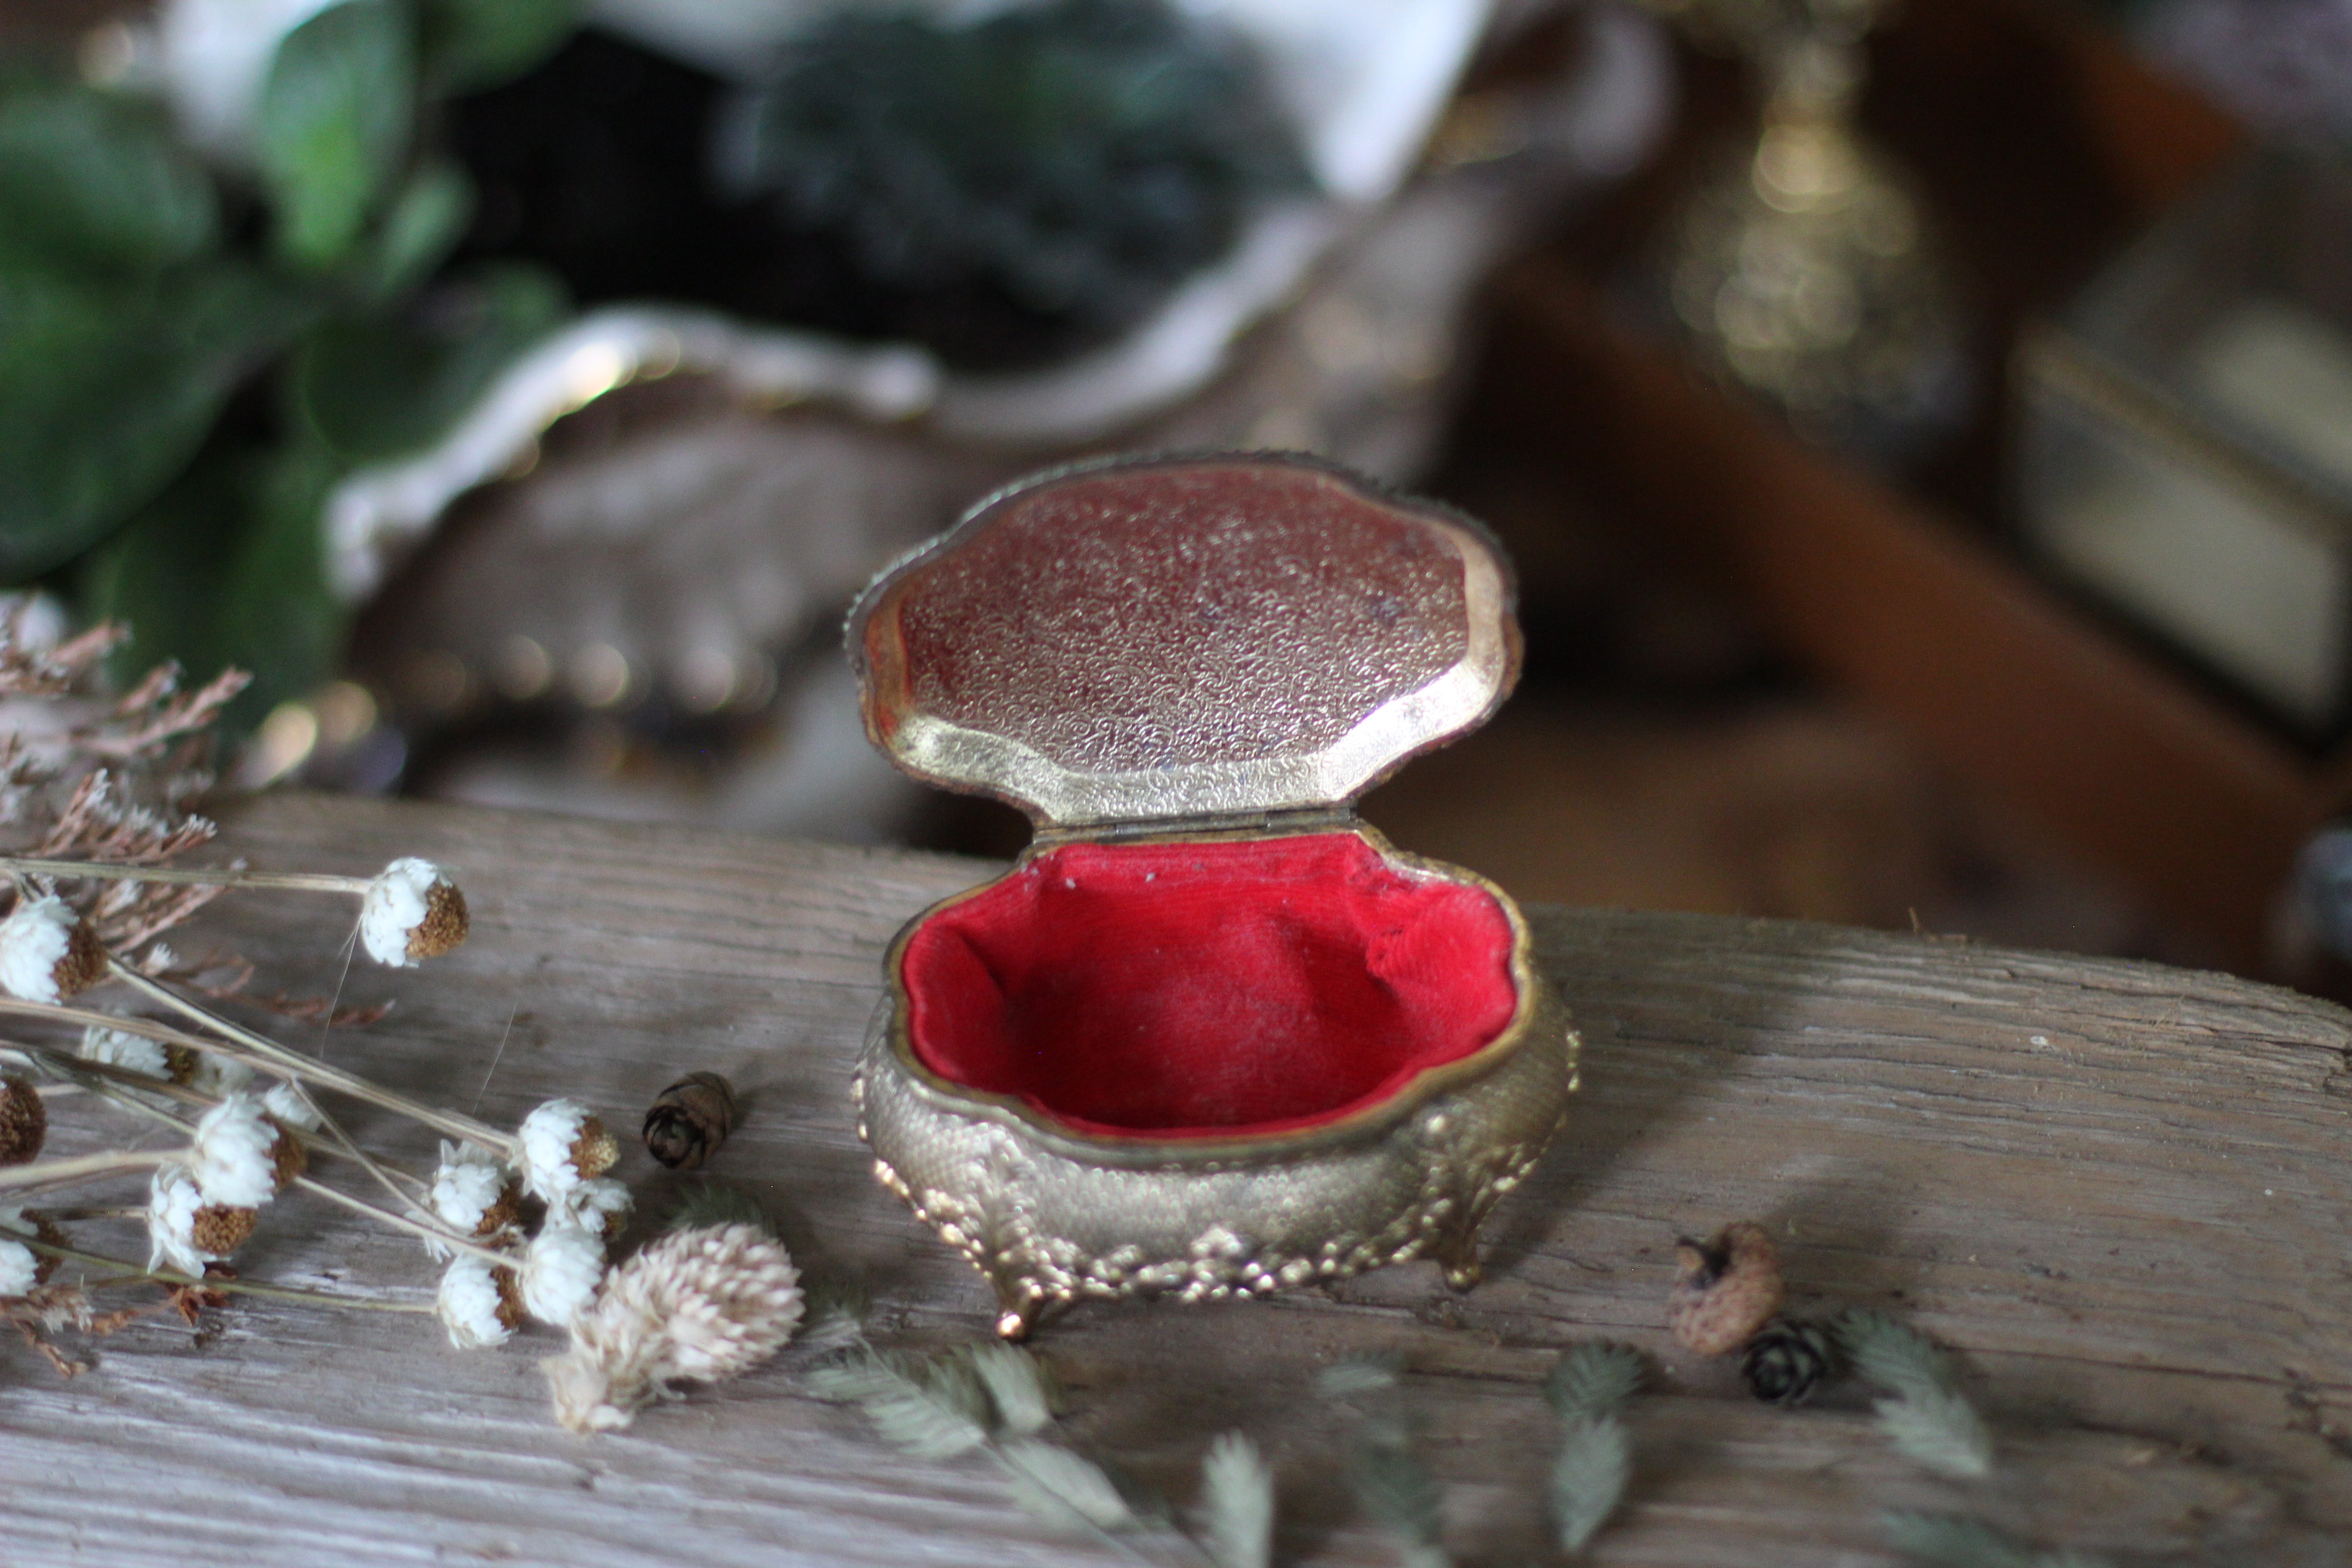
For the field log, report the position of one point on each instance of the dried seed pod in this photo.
(1729, 1288)
(23, 1121)
(1786, 1360)
(690, 1119)
(221, 1230)
(287, 1158)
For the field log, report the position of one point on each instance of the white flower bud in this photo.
(289, 1107)
(469, 1193)
(172, 1203)
(19, 1268)
(560, 1270)
(48, 953)
(562, 1144)
(119, 1048)
(411, 912)
(233, 1157)
(599, 1206)
(475, 1306)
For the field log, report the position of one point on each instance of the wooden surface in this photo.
(2117, 1190)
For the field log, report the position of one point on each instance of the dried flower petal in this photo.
(121, 1049)
(15, 1221)
(562, 1144)
(599, 1206)
(288, 1106)
(172, 1203)
(706, 1304)
(560, 1270)
(20, 1268)
(23, 1121)
(477, 1303)
(48, 953)
(472, 1195)
(411, 912)
(236, 1157)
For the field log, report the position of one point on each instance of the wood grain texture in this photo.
(2117, 1190)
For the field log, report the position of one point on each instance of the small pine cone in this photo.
(287, 1158)
(1786, 1360)
(217, 1229)
(689, 1121)
(443, 930)
(23, 1121)
(1729, 1288)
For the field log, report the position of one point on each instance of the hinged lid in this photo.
(1183, 639)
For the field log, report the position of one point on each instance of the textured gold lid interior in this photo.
(1167, 638)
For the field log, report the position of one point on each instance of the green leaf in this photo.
(90, 180)
(1940, 1429)
(423, 224)
(334, 125)
(1593, 1379)
(1237, 1496)
(1589, 1476)
(386, 384)
(107, 392)
(470, 44)
(228, 568)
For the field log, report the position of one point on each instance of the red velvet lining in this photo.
(1186, 989)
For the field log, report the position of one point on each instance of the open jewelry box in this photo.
(1211, 1035)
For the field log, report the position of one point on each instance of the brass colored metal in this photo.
(1051, 1215)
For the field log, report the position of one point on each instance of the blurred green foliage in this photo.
(188, 366)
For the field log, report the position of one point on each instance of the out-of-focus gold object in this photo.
(1803, 271)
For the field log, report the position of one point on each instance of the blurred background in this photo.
(1924, 431)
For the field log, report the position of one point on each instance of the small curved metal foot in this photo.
(1457, 1255)
(1021, 1308)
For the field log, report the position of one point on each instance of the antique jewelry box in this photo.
(1210, 1035)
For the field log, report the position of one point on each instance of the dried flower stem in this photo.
(266, 1052)
(431, 1232)
(133, 1274)
(199, 876)
(81, 1167)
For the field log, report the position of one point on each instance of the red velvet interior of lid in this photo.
(1184, 989)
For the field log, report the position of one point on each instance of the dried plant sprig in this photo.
(409, 911)
(1385, 1468)
(1236, 1504)
(941, 1405)
(1588, 1387)
(702, 1304)
(1926, 1416)
(1953, 1540)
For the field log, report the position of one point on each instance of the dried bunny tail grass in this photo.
(704, 1305)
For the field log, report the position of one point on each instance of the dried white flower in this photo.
(234, 1155)
(172, 1203)
(560, 1270)
(223, 1076)
(562, 1144)
(411, 912)
(706, 1303)
(48, 953)
(289, 1107)
(471, 1194)
(477, 1303)
(599, 1206)
(119, 1048)
(19, 1268)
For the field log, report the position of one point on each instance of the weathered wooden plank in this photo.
(2119, 1189)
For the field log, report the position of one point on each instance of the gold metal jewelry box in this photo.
(1210, 1035)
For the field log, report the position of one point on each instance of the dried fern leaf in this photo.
(1237, 1496)
(1355, 1377)
(1017, 1385)
(1940, 1429)
(1587, 1478)
(931, 1415)
(1063, 1488)
(1593, 1379)
(1953, 1540)
(1891, 1355)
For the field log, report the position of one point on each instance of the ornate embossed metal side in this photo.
(1212, 1035)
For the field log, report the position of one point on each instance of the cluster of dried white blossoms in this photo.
(90, 812)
